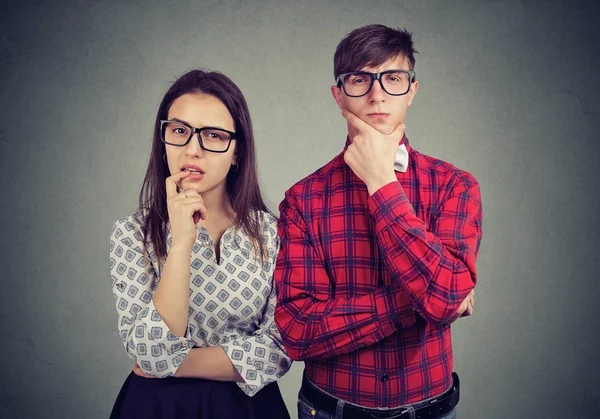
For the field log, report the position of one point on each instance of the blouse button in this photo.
(384, 378)
(227, 245)
(205, 243)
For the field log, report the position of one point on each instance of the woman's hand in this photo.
(186, 208)
(140, 372)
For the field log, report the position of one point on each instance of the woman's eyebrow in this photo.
(181, 120)
(190, 125)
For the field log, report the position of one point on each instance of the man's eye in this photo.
(396, 78)
(180, 131)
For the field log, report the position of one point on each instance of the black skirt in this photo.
(181, 398)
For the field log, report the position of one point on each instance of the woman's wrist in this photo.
(180, 249)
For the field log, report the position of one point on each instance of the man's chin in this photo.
(383, 127)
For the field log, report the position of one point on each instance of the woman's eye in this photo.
(213, 136)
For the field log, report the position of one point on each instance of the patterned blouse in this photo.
(231, 303)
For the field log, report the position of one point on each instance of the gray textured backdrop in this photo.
(508, 91)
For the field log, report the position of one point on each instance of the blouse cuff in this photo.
(258, 363)
(160, 350)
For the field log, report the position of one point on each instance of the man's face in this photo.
(377, 108)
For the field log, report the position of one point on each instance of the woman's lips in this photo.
(195, 172)
(194, 176)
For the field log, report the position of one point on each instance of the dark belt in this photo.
(440, 405)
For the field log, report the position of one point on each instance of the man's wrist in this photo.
(373, 185)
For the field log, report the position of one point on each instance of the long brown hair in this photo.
(241, 185)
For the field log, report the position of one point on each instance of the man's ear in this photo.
(336, 92)
(413, 91)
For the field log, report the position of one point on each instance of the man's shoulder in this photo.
(314, 184)
(443, 171)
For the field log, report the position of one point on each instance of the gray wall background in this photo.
(508, 91)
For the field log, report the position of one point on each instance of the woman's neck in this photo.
(218, 206)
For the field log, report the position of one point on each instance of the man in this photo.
(378, 252)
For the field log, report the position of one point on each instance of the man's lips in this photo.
(378, 115)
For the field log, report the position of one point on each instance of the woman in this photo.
(192, 268)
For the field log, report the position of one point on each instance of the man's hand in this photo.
(371, 154)
(140, 372)
(466, 308)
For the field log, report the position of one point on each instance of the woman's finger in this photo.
(172, 182)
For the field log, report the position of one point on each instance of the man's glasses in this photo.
(179, 134)
(393, 82)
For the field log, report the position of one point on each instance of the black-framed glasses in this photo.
(179, 134)
(393, 82)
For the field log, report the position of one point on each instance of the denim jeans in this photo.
(307, 411)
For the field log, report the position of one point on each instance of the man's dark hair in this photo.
(370, 46)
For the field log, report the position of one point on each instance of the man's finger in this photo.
(468, 311)
(355, 121)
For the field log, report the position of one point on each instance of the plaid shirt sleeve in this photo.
(314, 324)
(435, 264)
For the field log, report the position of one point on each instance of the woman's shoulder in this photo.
(134, 220)
(268, 222)
(129, 226)
(266, 218)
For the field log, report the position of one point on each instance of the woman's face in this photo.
(209, 169)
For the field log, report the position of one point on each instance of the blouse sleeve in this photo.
(260, 357)
(146, 337)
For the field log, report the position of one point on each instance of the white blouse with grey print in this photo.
(231, 303)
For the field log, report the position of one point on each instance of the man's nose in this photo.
(377, 94)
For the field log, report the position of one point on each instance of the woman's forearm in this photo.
(210, 363)
(171, 298)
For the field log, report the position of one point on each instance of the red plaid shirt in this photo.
(366, 285)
